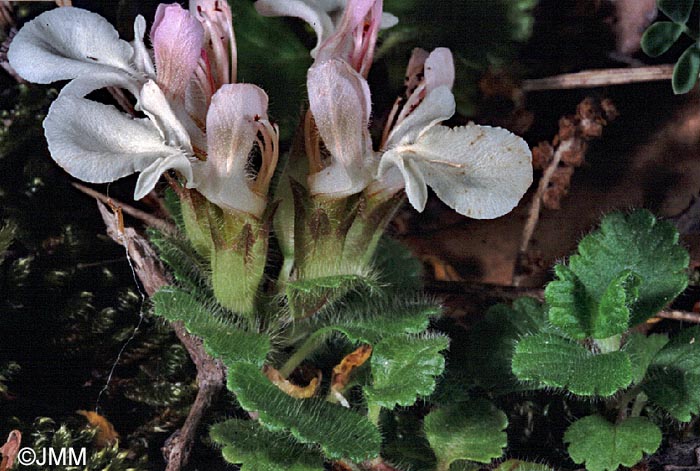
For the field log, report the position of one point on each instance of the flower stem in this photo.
(306, 349)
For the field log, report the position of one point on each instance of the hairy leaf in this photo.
(637, 242)
(255, 448)
(490, 344)
(189, 269)
(604, 446)
(310, 295)
(396, 266)
(518, 465)
(373, 319)
(340, 432)
(673, 380)
(642, 350)
(221, 339)
(554, 361)
(467, 431)
(404, 368)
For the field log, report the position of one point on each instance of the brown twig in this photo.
(559, 159)
(684, 316)
(143, 216)
(483, 290)
(600, 78)
(211, 373)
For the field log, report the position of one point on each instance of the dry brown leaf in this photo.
(10, 449)
(291, 389)
(442, 271)
(106, 434)
(343, 370)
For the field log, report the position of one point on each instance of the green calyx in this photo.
(238, 257)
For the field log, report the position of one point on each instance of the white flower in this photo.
(479, 171)
(324, 16)
(339, 101)
(98, 143)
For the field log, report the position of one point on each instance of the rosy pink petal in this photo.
(177, 39)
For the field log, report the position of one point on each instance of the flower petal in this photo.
(439, 69)
(317, 16)
(339, 100)
(66, 43)
(150, 175)
(97, 143)
(416, 188)
(231, 133)
(388, 20)
(437, 106)
(142, 59)
(156, 106)
(177, 39)
(479, 171)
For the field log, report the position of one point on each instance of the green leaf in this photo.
(404, 442)
(518, 465)
(397, 266)
(673, 380)
(222, 339)
(308, 296)
(374, 319)
(580, 316)
(554, 361)
(604, 446)
(677, 10)
(660, 36)
(471, 431)
(489, 346)
(255, 448)
(641, 350)
(685, 73)
(189, 269)
(404, 368)
(340, 432)
(637, 242)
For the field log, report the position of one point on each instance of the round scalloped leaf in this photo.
(685, 73)
(640, 243)
(660, 36)
(673, 381)
(340, 432)
(677, 10)
(404, 368)
(604, 446)
(471, 431)
(550, 360)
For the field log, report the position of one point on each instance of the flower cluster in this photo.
(189, 119)
(481, 172)
(198, 121)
